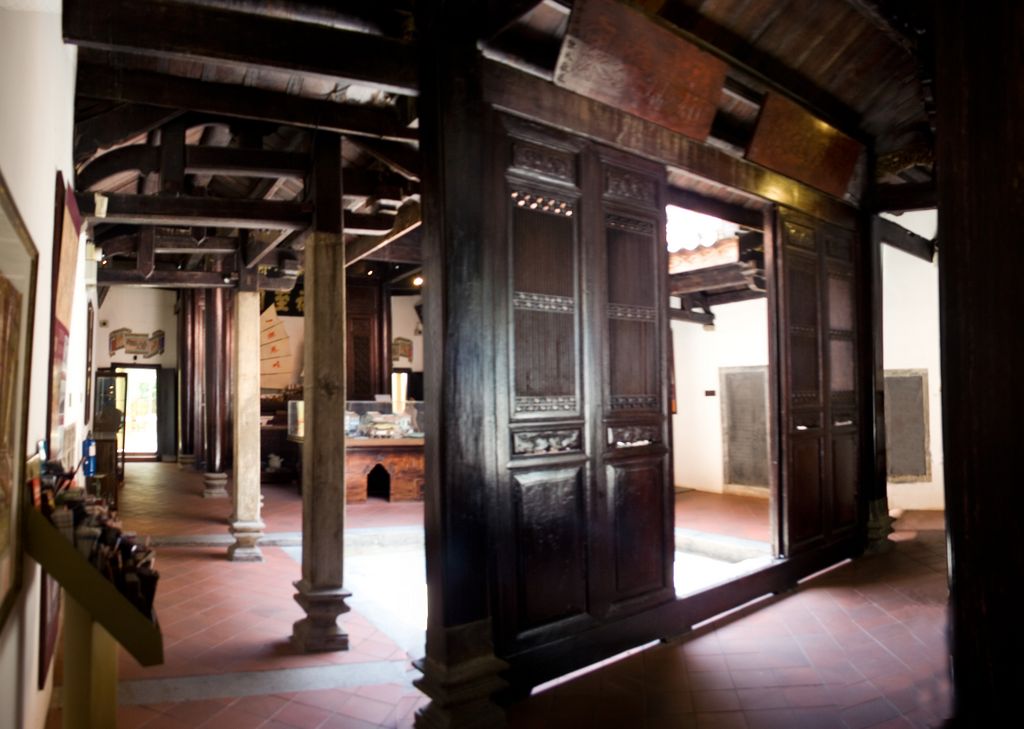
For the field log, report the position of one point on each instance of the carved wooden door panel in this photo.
(818, 366)
(583, 519)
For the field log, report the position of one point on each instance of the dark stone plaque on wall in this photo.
(791, 140)
(906, 425)
(614, 54)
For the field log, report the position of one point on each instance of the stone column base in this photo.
(215, 485)
(186, 459)
(247, 535)
(461, 689)
(879, 527)
(319, 630)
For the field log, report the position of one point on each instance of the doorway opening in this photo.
(141, 434)
(722, 414)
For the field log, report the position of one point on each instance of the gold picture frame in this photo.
(19, 260)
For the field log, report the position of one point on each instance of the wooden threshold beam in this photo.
(168, 29)
(176, 92)
(535, 99)
(895, 235)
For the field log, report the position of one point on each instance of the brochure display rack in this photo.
(97, 618)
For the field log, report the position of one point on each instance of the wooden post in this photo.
(186, 393)
(460, 670)
(198, 379)
(320, 591)
(215, 479)
(90, 665)
(980, 67)
(246, 525)
(875, 476)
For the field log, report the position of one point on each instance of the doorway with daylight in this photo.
(141, 431)
(722, 405)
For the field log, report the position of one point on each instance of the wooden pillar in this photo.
(460, 670)
(980, 167)
(186, 392)
(246, 525)
(90, 658)
(215, 480)
(320, 591)
(199, 378)
(875, 478)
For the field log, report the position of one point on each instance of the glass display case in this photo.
(108, 424)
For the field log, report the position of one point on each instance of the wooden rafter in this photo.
(178, 30)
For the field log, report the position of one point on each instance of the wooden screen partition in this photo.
(818, 365)
(584, 510)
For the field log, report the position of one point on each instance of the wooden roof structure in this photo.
(194, 117)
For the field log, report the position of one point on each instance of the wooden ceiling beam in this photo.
(407, 220)
(697, 317)
(900, 197)
(196, 211)
(716, 208)
(895, 235)
(164, 278)
(168, 29)
(232, 100)
(402, 158)
(124, 122)
(731, 297)
(376, 185)
(499, 14)
(726, 276)
(534, 99)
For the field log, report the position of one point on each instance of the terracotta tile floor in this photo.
(160, 499)
(863, 646)
(731, 515)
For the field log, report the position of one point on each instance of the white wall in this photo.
(405, 323)
(37, 87)
(739, 339)
(143, 311)
(910, 308)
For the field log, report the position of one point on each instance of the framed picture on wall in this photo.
(18, 261)
(67, 224)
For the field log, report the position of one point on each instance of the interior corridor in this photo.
(861, 646)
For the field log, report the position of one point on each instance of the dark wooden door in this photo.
(584, 519)
(818, 371)
(364, 377)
